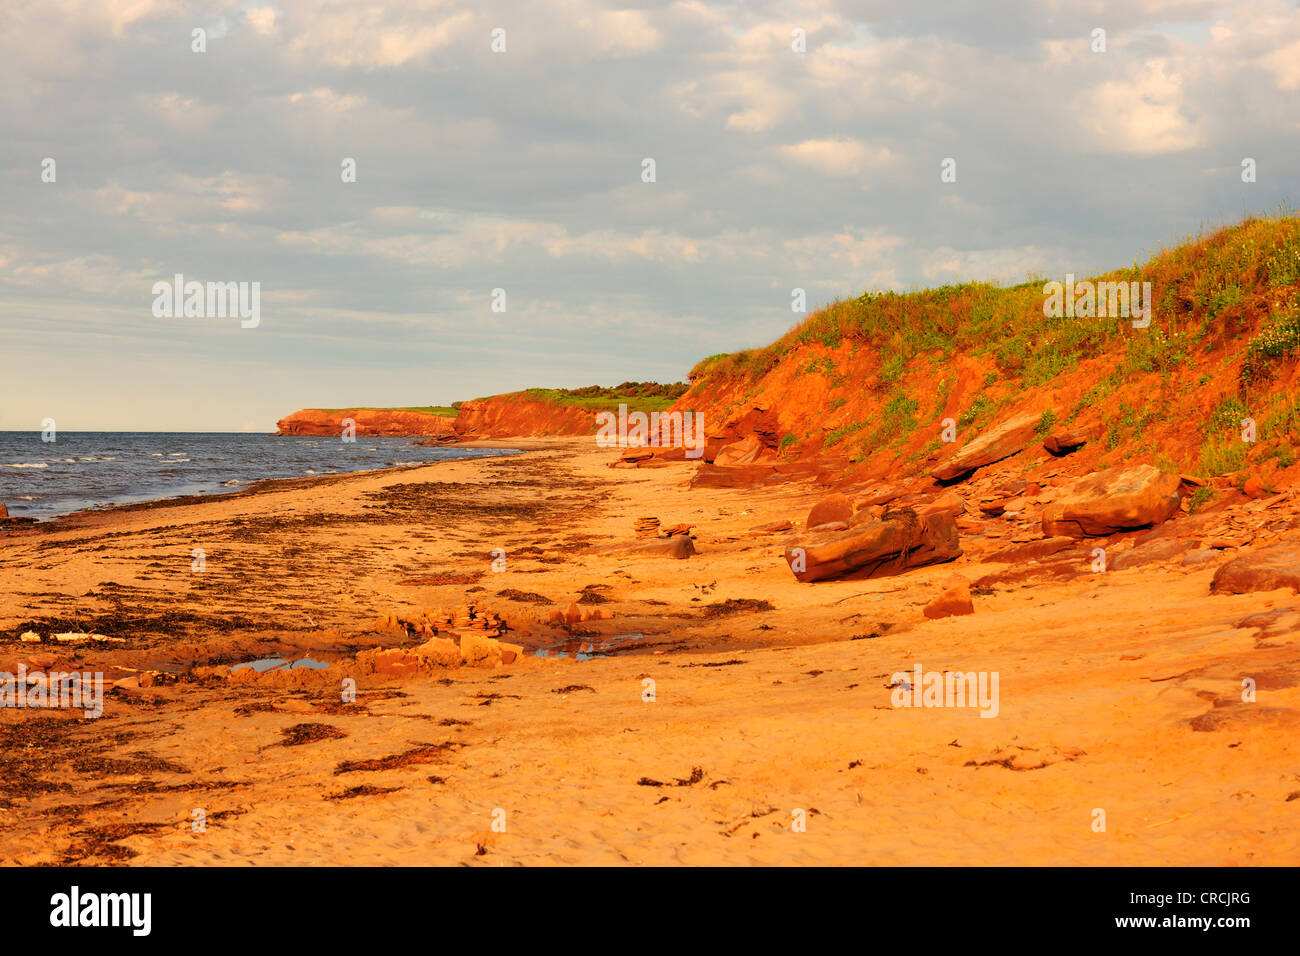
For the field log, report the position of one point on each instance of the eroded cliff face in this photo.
(940, 383)
(501, 416)
(377, 422)
(511, 416)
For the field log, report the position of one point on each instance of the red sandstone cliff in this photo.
(501, 416)
(387, 423)
(509, 416)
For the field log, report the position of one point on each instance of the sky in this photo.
(503, 146)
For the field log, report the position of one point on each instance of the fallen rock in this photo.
(1254, 487)
(882, 496)
(743, 452)
(1005, 440)
(1066, 440)
(954, 599)
(636, 454)
(1117, 499)
(901, 540)
(830, 509)
(1267, 569)
(949, 502)
(646, 527)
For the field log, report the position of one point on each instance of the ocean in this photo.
(92, 469)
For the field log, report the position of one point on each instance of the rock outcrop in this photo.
(1117, 499)
(901, 540)
(1267, 569)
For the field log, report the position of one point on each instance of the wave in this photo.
(29, 464)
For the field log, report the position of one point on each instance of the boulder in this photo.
(831, 508)
(948, 501)
(1277, 566)
(901, 540)
(1117, 499)
(4, 511)
(441, 651)
(882, 496)
(743, 452)
(954, 600)
(1065, 440)
(478, 649)
(1007, 439)
(1254, 487)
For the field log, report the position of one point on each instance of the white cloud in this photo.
(837, 157)
(1145, 113)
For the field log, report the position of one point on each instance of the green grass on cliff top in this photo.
(442, 411)
(637, 396)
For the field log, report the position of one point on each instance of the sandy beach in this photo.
(727, 714)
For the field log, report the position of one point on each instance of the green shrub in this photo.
(1278, 338)
(1222, 456)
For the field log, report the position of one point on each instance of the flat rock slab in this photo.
(1154, 552)
(1267, 569)
(1117, 499)
(901, 541)
(1005, 440)
(1033, 550)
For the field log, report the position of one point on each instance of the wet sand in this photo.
(1119, 692)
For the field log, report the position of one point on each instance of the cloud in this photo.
(1146, 112)
(837, 157)
(521, 170)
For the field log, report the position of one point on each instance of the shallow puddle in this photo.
(263, 664)
(588, 648)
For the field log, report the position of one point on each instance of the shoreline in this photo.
(768, 695)
(255, 486)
